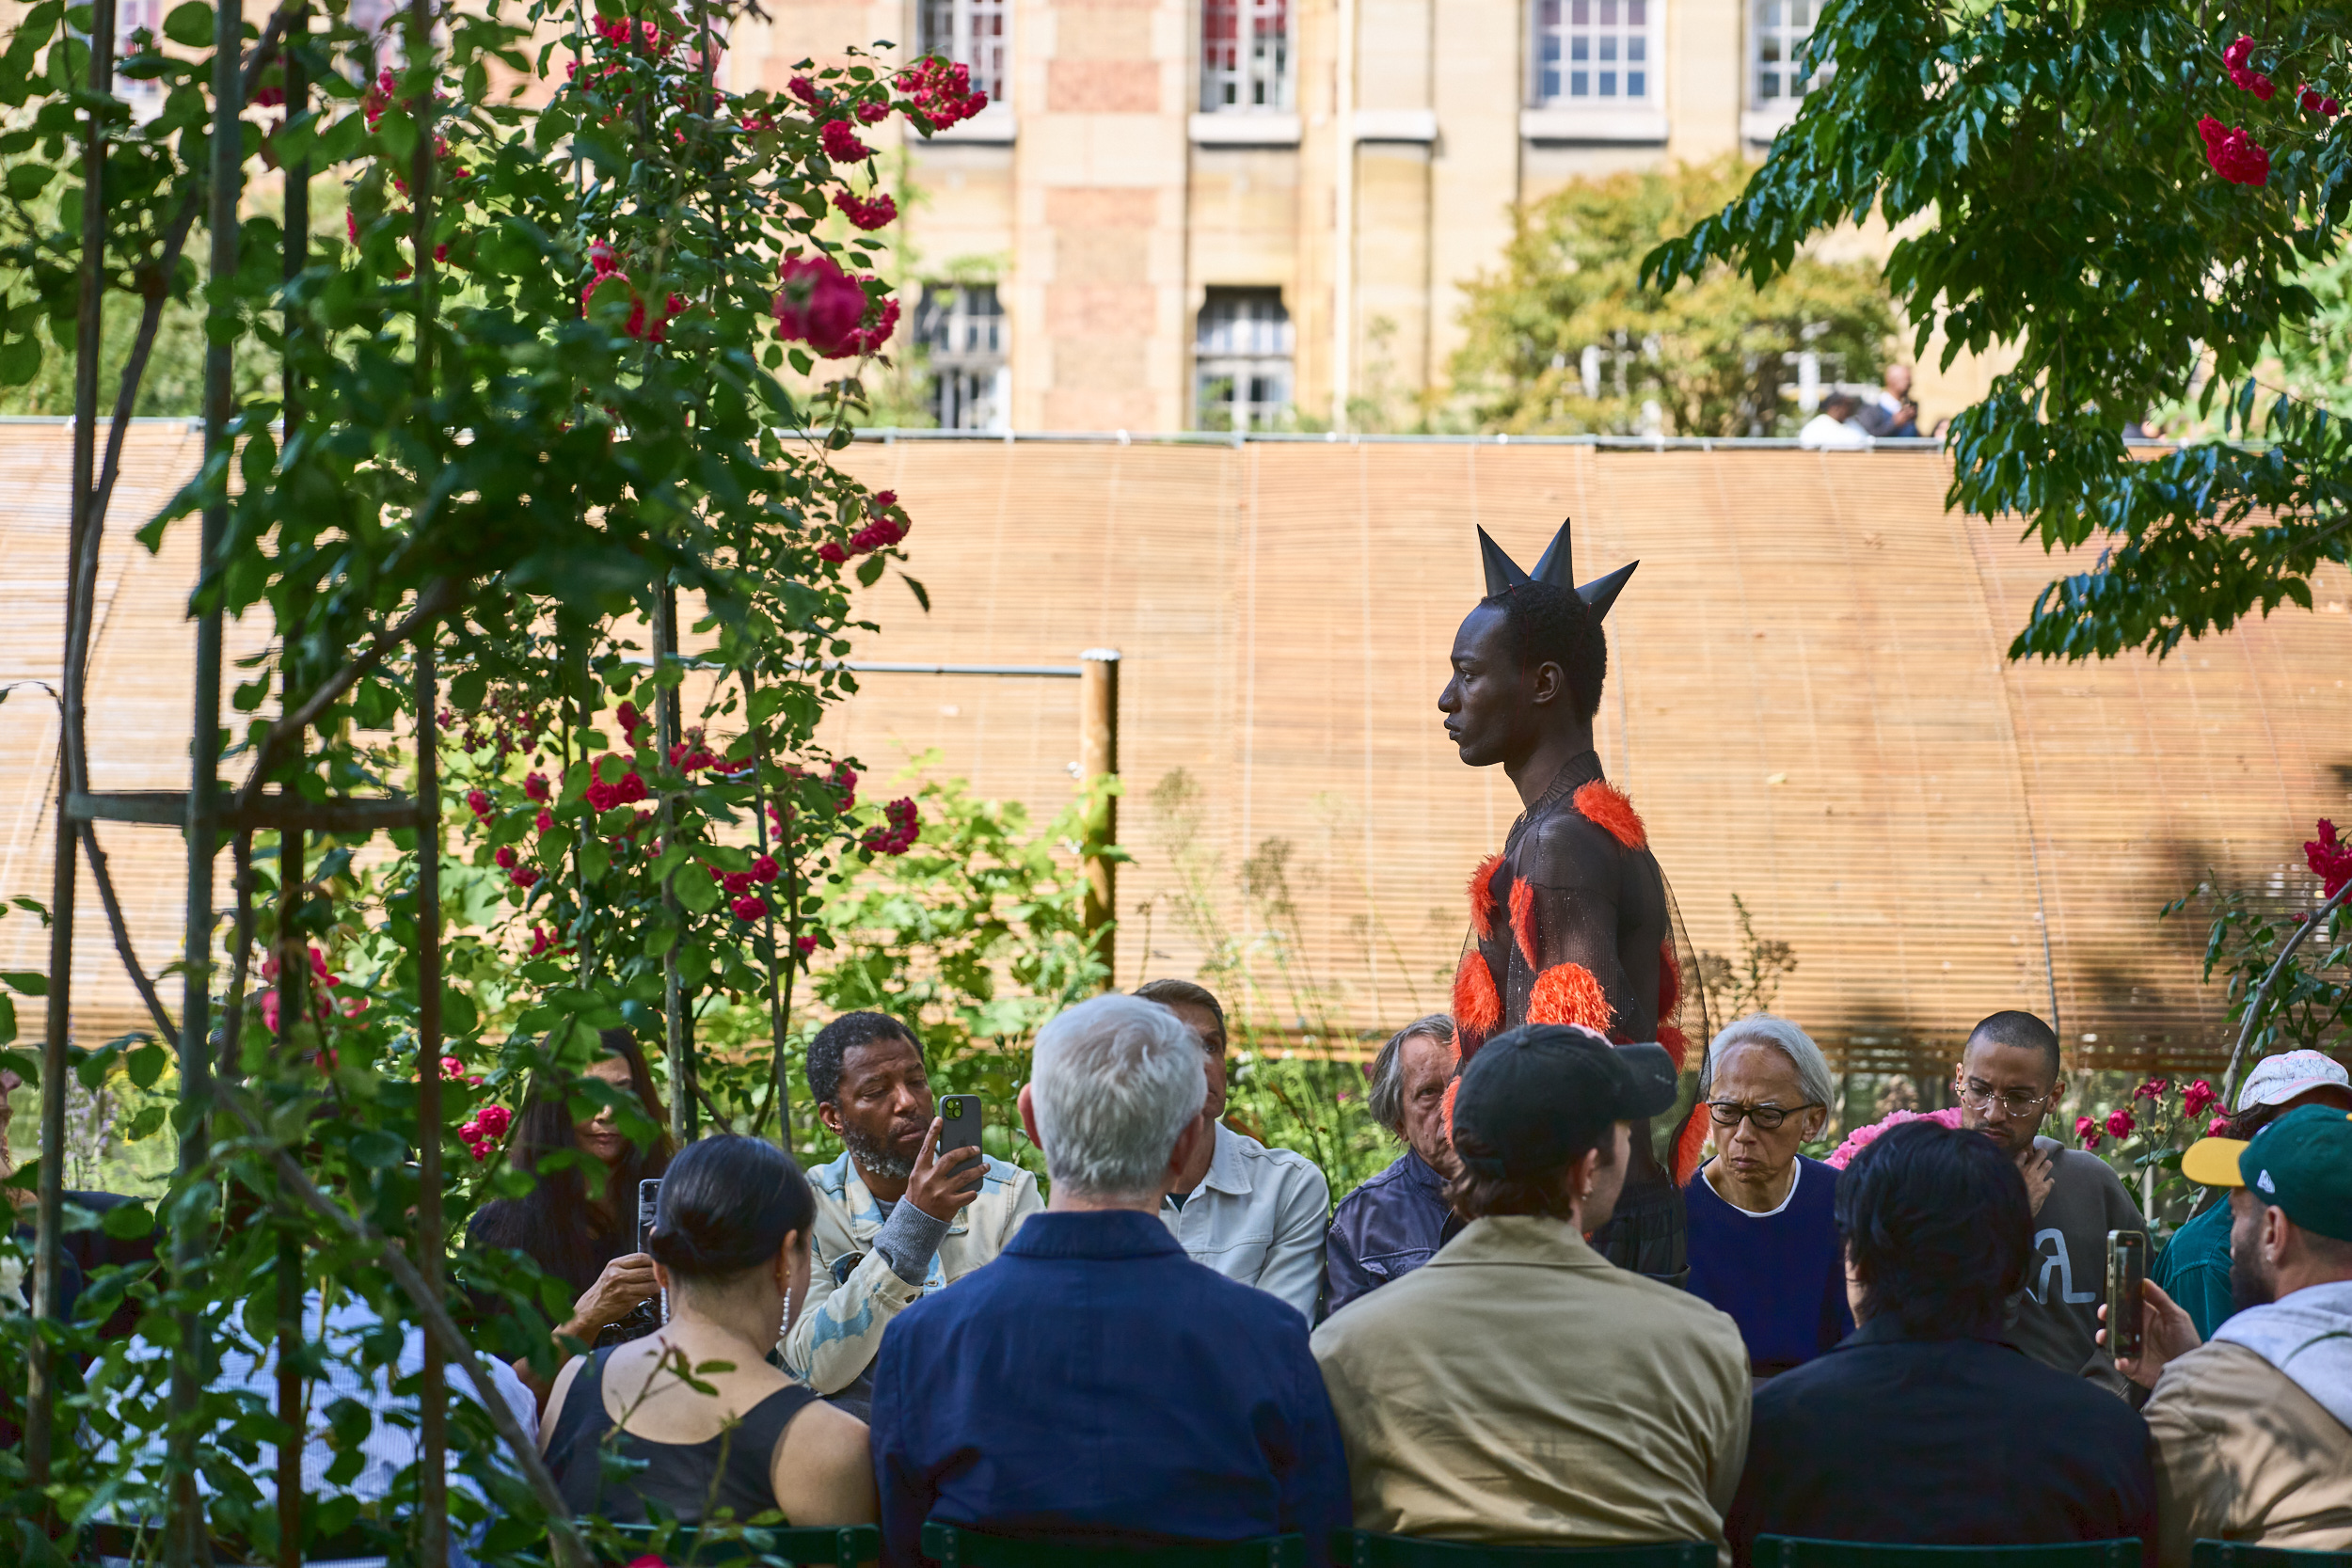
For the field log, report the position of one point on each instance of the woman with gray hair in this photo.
(1763, 1234)
(1395, 1222)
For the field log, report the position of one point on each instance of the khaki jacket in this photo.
(1519, 1389)
(841, 1327)
(2242, 1454)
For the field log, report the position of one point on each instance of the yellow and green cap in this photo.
(2301, 1163)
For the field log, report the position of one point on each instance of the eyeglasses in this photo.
(1727, 1113)
(2017, 1103)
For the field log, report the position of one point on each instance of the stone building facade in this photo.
(1203, 214)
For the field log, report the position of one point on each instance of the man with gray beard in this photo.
(895, 1222)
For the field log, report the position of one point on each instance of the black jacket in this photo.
(1941, 1442)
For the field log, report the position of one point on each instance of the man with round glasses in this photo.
(2009, 1078)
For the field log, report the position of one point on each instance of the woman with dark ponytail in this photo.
(730, 1246)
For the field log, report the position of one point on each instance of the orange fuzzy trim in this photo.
(1603, 805)
(1569, 993)
(1482, 896)
(1477, 1006)
(1669, 980)
(1677, 1044)
(1689, 1148)
(1524, 919)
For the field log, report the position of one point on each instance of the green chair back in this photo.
(1789, 1551)
(1363, 1549)
(952, 1546)
(810, 1547)
(2238, 1554)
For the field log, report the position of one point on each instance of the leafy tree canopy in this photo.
(2096, 185)
(1718, 359)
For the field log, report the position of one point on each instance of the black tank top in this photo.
(676, 1475)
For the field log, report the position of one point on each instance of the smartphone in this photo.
(649, 1205)
(960, 1115)
(2127, 1266)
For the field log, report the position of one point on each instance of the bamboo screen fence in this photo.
(1807, 701)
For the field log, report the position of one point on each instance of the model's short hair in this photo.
(836, 1040)
(1813, 1074)
(1384, 1091)
(1555, 625)
(1937, 1225)
(2023, 1031)
(1113, 1081)
(1182, 994)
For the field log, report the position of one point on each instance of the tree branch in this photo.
(164, 1023)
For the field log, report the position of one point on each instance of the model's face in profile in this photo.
(1489, 704)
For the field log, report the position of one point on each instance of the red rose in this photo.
(764, 869)
(2120, 1122)
(749, 907)
(2087, 1132)
(819, 304)
(841, 144)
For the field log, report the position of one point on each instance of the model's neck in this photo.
(1197, 1169)
(1534, 774)
(1759, 1197)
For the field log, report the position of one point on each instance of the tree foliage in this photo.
(2045, 169)
(1718, 359)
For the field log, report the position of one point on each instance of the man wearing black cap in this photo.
(1518, 1388)
(2253, 1432)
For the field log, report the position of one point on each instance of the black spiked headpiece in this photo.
(1554, 568)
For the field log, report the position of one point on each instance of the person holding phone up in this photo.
(901, 1212)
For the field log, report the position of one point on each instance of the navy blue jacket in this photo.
(1941, 1443)
(1384, 1230)
(1094, 1382)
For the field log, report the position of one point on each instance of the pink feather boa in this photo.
(1862, 1138)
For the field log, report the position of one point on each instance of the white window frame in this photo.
(971, 381)
(1770, 30)
(1243, 338)
(979, 35)
(1251, 72)
(1619, 37)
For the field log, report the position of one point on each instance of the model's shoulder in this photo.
(1003, 1175)
(832, 1179)
(1372, 1188)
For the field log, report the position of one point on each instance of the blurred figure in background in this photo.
(730, 1243)
(896, 1220)
(1836, 425)
(1393, 1222)
(1923, 1427)
(2194, 1268)
(1889, 411)
(1250, 1212)
(580, 1226)
(2253, 1432)
(1764, 1241)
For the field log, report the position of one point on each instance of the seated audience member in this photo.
(2253, 1431)
(730, 1244)
(584, 1231)
(895, 1220)
(1763, 1217)
(1250, 1212)
(347, 1335)
(1835, 425)
(2194, 1268)
(1390, 1225)
(1094, 1384)
(2008, 1080)
(1923, 1427)
(1519, 1389)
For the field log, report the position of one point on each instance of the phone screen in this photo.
(2127, 1266)
(959, 1115)
(649, 1205)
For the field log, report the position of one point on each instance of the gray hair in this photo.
(1813, 1074)
(1113, 1082)
(1386, 1094)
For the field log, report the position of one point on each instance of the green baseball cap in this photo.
(2301, 1163)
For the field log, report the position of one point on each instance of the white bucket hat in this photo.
(2278, 1079)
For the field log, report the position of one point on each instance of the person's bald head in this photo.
(2022, 1032)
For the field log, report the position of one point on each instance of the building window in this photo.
(133, 19)
(1244, 56)
(970, 33)
(1782, 28)
(1594, 52)
(962, 328)
(1242, 361)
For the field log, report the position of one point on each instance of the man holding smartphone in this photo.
(2009, 1080)
(898, 1217)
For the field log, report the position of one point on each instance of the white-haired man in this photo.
(1764, 1242)
(1094, 1383)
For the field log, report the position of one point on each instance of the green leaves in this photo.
(190, 25)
